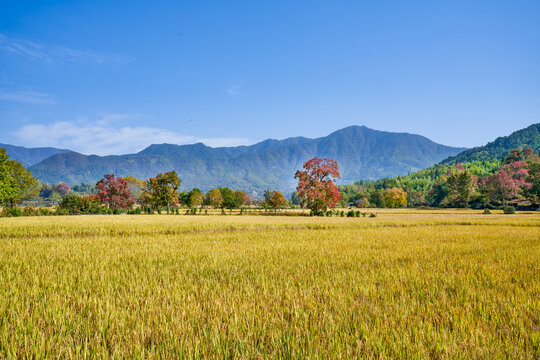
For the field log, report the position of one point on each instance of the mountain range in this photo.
(362, 153)
(30, 156)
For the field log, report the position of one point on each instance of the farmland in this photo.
(404, 284)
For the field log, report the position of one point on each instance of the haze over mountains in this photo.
(30, 156)
(362, 153)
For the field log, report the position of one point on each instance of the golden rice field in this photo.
(406, 284)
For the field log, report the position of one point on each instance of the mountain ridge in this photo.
(361, 152)
(30, 156)
(496, 149)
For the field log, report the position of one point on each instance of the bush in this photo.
(372, 215)
(12, 212)
(29, 211)
(486, 211)
(61, 211)
(350, 213)
(71, 204)
(509, 210)
(45, 212)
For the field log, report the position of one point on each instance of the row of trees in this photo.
(315, 188)
(157, 193)
(515, 179)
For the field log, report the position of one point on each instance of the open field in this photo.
(406, 284)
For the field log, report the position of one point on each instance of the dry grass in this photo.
(406, 284)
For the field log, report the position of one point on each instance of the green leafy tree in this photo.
(533, 192)
(230, 200)
(377, 199)
(295, 198)
(16, 183)
(461, 187)
(6, 183)
(194, 198)
(161, 191)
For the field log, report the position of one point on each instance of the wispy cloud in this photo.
(53, 53)
(29, 97)
(104, 137)
(235, 89)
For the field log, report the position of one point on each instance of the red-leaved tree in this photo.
(315, 184)
(508, 182)
(114, 192)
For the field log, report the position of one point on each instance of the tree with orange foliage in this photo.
(316, 188)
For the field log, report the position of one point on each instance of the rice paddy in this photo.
(406, 284)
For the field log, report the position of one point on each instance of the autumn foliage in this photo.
(395, 197)
(275, 200)
(316, 188)
(114, 192)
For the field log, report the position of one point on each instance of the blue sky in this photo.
(110, 77)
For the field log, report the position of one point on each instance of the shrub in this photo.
(12, 212)
(509, 210)
(61, 211)
(372, 215)
(45, 212)
(71, 204)
(29, 211)
(487, 211)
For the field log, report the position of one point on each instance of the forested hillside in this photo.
(495, 150)
(362, 153)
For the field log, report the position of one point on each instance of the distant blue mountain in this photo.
(362, 153)
(30, 156)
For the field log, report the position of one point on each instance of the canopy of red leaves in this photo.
(315, 184)
(114, 192)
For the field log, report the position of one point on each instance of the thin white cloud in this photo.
(29, 97)
(52, 53)
(235, 89)
(103, 137)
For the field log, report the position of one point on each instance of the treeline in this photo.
(513, 180)
(113, 195)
